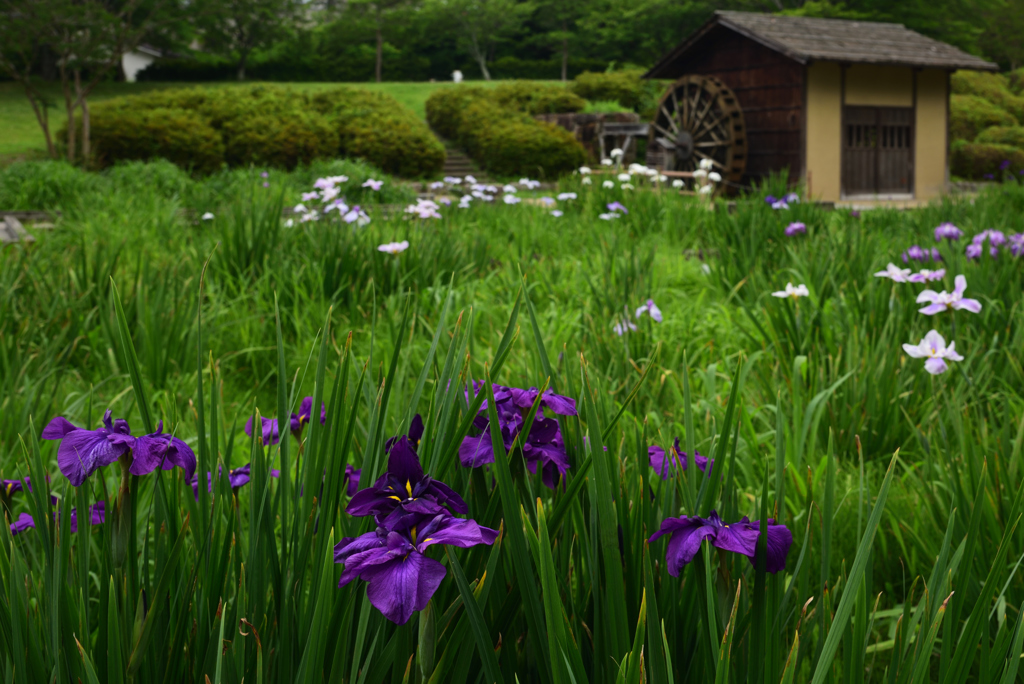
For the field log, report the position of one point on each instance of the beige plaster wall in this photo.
(930, 148)
(824, 121)
(879, 86)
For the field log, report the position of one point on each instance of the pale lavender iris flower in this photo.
(649, 307)
(946, 301)
(895, 273)
(934, 351)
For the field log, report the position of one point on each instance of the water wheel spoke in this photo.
(699, 118)
(714, 161)
(671, 121)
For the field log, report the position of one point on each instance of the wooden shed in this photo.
(856, 110)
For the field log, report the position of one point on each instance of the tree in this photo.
(381, 11)
(237, 27)
(559, 17)
(1003, 35)
(486, 23)
(87, 39)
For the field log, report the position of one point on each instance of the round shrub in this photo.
(446, 105)
(976, 160)
(971, 114)
(1003, 135)
(202, 128)
(511, 144)
(183, 137)
(283, 142)
(992, 87)
(534, 98)
(377, 128)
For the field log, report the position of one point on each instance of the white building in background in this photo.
(138, 59)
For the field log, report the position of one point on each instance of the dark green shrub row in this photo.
(536, 98)
(978, 160)
(495, 128)
(969, 115)
(1003, 135)
(992, 87)
(627, 87)
(205, 128)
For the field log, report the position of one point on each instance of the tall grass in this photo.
(902, 490)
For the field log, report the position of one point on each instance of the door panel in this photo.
(878, 150)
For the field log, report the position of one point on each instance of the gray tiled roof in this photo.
(806, 39)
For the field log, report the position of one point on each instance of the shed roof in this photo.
(807, 39)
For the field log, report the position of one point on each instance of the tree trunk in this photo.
(565, 58)
(80, 98)
(479, 55)
(243, 57)
(380, 48)
(42, 116)
(69, 108)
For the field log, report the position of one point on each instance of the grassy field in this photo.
(21, 137)
(902, 568)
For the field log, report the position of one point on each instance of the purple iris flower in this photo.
(305, 414)
(916, 253)
(770, 199)
(400, 577)
(10, 487)
(97, 514)
(83, 452)
(1017, 244)
(404, 493)
(352, 476)
(741, 537)
(936, 255)
(617, 206)
(973, 251)
(238, 477)
(854, 214)
(663, 461)
(23, 522)
(947, 231)
(270, 431)
(795, 228)
(161, 450)
(1004, 165)
(544, 447)
(989, 176)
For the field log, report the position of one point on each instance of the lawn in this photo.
(899, 489)
(21, 136)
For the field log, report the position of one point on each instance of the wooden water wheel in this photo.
(699, 118)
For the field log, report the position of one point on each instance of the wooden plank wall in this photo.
(770, 89)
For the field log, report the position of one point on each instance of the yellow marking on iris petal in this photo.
(10, 486)
(408, 488)
(427, 539)
(395, 498)
(413, 534)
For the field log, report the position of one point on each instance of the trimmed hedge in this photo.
(1003, 135)
(971, 114)
(497, 131)
(181, 136)
(627, 87)
(533, 98)
(370, 128)
(992, 87)
(976, 160)
(205, 128)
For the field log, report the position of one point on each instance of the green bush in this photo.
(120, 133)
(993, 87)
(976, 160)
(203, 128)
(498, 132)
(283, 142)
(534, 98)
(446, 105)
(971, 114)
(509, 143)
(379, 129)
(627, 87)
(1015, 81)
(1003, 135)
